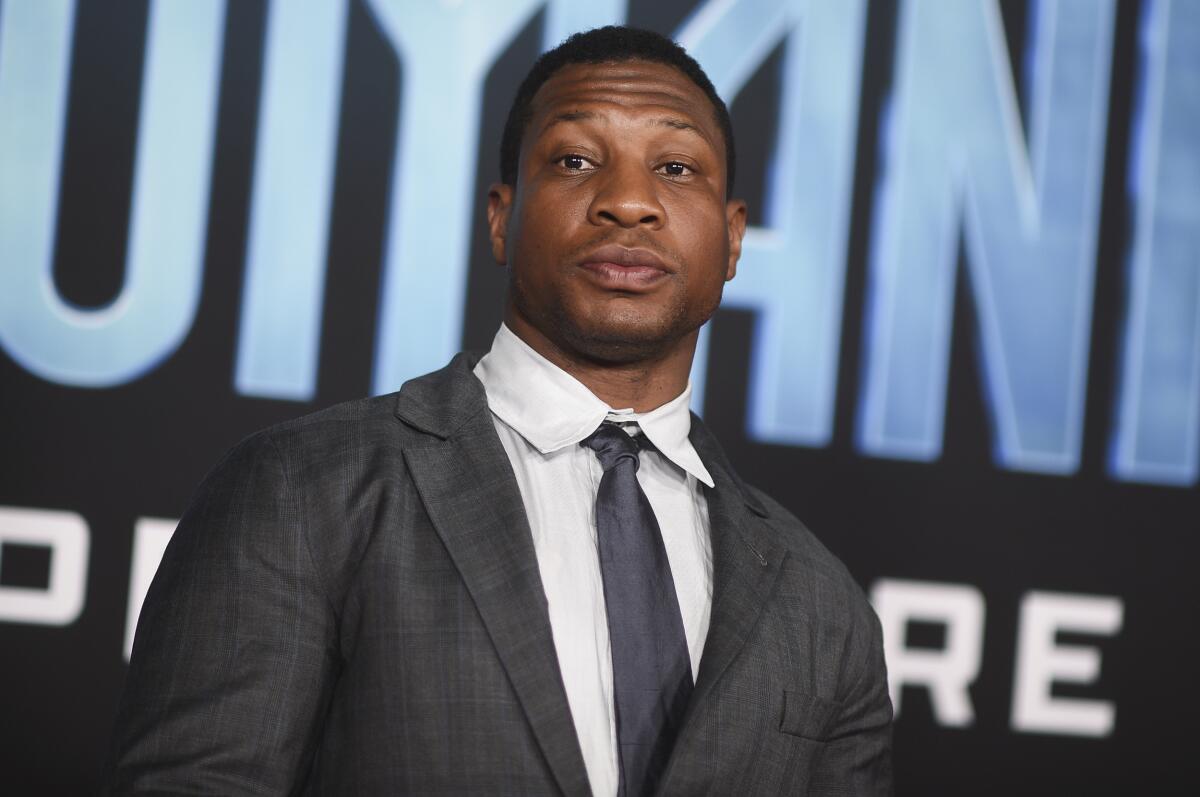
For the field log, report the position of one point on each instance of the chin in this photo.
(626, 338)
(624, 332)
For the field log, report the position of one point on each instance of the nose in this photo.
(627, 197)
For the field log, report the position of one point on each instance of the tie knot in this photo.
(612, 445)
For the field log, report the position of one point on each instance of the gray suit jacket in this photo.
(352, 605)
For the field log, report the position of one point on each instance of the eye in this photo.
(675, 169)
(575, 163)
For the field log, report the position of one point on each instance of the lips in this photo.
(620, 268)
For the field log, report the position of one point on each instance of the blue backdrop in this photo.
(963, 343)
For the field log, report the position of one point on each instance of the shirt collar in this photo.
(552, 409)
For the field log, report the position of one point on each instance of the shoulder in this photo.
(796, 536)
(315, 447)
(359, 433)
(349, 425)
(311, 493)
(811, 561)
(302, 448)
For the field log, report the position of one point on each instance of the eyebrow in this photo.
(673, 122)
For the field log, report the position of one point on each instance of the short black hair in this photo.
(610, 44)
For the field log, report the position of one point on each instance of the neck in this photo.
(644, 384)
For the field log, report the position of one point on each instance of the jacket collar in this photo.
(439, 403)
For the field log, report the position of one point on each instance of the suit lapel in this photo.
(468, 488)
(747, 560)
(746, 563)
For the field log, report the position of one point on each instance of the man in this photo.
(535, 572)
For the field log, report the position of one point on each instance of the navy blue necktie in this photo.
(652, 671)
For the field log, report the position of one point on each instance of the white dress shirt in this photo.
(541, 414)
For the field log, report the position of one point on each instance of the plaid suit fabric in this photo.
(352, 605)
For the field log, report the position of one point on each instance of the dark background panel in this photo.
(138, 450)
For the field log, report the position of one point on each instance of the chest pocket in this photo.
(807, 715)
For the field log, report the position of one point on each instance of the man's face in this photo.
(618, 235)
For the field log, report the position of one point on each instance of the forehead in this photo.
(628, 87)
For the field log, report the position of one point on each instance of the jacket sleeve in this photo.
(857, 758)
(235, 653)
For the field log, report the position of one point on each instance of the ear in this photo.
(735, 224)
(500, 196)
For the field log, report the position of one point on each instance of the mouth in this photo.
(620, 268)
